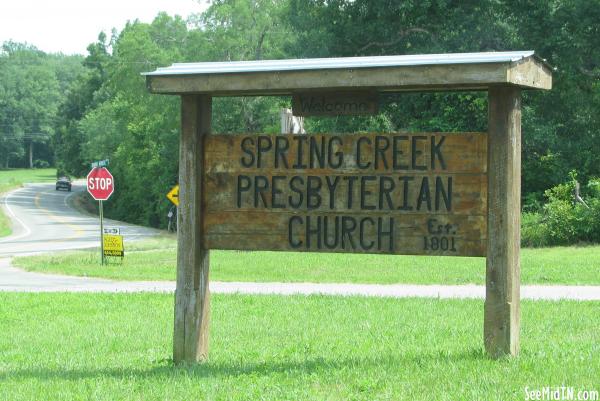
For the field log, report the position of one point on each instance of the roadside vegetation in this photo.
(570, 215)
(156, 260)
(97, 106)
(118, 347)
(14, 178)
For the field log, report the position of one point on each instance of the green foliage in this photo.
(100, 107)
(534, 232)
(84, 94)
(110, 114)
(560, 127)
(246, 30)
(32, 86)
(37, 163)
(562, 220)
(593, 187)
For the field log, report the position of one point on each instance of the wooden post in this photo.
(502, 299)
(192, 307)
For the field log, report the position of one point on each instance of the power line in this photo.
(28, 135)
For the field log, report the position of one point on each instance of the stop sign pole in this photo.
(101, 185)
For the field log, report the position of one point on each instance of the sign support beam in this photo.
(192, 302)
(502, 300)
(101, 212)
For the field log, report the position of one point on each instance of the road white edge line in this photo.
(13, 216)
(66, 198)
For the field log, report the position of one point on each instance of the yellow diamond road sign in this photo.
(173, 195)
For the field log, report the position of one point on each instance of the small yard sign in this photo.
(113, 245)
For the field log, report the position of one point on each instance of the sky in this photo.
(69, 26)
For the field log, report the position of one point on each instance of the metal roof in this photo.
(339, 62)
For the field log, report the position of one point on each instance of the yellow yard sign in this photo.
(113, 245)
(173, 195)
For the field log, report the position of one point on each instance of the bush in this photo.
(562, 221)
(534, 232)
(40, 163)
(593, 188)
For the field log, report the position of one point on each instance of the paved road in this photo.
(43, 221)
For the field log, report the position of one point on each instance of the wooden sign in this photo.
(388, 193)
(335, 103)
(423, 193)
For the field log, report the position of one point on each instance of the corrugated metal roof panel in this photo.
(339, 63)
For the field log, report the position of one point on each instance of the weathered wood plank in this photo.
(530, 74)
(408, 194)
(464, 76)
(502, 303)
(383, 79)
(461, 153)
(423, 234)
(269, 188)
(192, 308)
(335, 103)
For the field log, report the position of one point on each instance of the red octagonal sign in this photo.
(100, 183)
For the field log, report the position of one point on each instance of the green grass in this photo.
(118, 347)
(15, 178)
(4, 224)
(561, 265)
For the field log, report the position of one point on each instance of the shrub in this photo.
(534, 232)
(562, 221)
(40, 163)
(593, 188)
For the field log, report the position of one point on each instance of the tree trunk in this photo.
(30, 154)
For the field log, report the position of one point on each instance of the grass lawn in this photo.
(14, 178)
(560, 265)
(118, 347)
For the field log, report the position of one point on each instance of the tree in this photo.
(31, 88)
(108, 112)
(82, 94)
(28, 97)
(560, 128)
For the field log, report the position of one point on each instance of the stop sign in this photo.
(100, 183)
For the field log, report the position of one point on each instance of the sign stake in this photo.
(101, 232)
(192, 299)
(100, 185)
